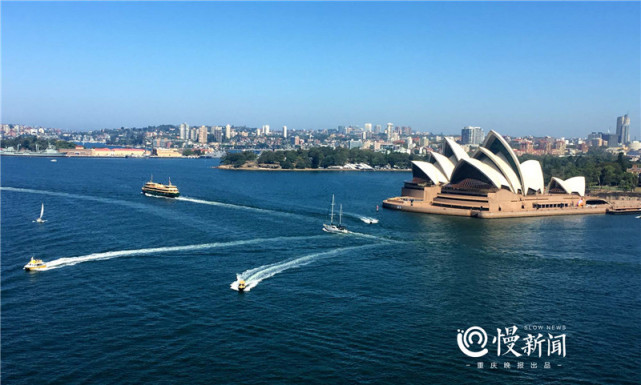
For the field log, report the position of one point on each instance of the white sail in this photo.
(42, 210)
(331, 216)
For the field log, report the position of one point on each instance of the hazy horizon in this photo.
(535, 68)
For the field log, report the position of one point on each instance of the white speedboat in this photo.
(332, 227)
(369, 220)
(35, 264)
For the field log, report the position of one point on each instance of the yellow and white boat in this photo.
(241, 285)
(35, 264)
(159, 189)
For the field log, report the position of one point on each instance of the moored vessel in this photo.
(159, 189)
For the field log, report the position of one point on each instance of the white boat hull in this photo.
(335, 229)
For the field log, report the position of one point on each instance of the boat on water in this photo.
(50, 152)
(35, 264)
(332, 227)
(159, 189)
(369, 220)
(42, 211)
(241, 286)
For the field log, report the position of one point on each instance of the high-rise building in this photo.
(184, 131)
(266, 129)
(623, 129)
(228, 131)
(377, 129)
(472, 135)
(202, 135)
(217, 131)
(368, 127)
(193, 134)
(612, 139)
(284, 131)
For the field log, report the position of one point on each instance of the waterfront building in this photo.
(167, 153)
(623, 129)
(472, 135)
(118, 152)
(491, 183)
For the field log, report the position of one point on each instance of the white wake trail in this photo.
(241, 207)
(70, 261)
(253, 277)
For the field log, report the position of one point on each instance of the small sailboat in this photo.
(35, 264)
(42, 211)
(333, 228)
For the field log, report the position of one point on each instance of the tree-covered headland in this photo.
(321, 157)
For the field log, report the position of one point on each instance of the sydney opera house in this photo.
(491, 183)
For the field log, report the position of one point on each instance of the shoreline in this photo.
(227, 167)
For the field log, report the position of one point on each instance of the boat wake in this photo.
(241, 207)
(374, 237)
(254, 276)
(70, 261)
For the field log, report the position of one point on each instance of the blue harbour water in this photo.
(139, 287)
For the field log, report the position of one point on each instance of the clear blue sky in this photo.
(559, 69)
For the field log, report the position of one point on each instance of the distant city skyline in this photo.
(557, 69)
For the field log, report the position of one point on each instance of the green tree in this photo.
(628, 182)
(608, 175)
